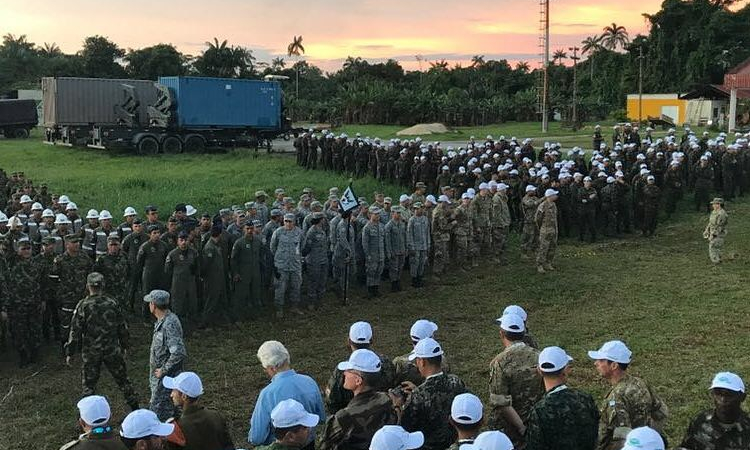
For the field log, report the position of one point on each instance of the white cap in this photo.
(502, 186)
(393, 437)
(490, 440)
(289, 413)
(550, 193)
(37, 207)
(512, 323)
(362, 360)
(48, 213)
(426, 348)
(552, 359)
(517, 310)
(129, 211)
(61, 219)
(483, 186)
(728, 380)
(3, 217)
(615, 351)
(530, 188)
(190, 210)
(430, 198)
(360, 333)
(444, 199)
(104, 215)
(466, 409)
(63, 200)
(92, 214)
(643, 438)
(650, 178)
(422, 329)
(14, 222)
(466, 195)
(26, 199)
(143, 423)
(403, 198)
(94, 410)
(187, 382)
(71, 206)
(610, 180)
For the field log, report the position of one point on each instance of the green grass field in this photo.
(683, 318)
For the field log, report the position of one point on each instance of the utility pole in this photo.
(545, 68)
(640, 85)
(575, 59)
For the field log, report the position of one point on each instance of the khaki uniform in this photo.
(715, 232)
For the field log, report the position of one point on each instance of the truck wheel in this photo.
(148, 146)
(172, 145)
(195, 144)
(20, 133)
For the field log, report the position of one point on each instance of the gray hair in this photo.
(273, 354)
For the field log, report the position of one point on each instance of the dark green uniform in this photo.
(204, 429)
(337, 397)
(245, 264)
(100, 438)
(564, 419)
(99, 331)
(214, 276)
(182, 270)
(428, 408)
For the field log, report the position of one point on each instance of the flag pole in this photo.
(345, 299)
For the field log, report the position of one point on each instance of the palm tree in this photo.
(296, 49)
(439, 66)
(523, 66)
(614, 35)
(559, 55)
(278, 64)
(590, 46)
(477, 61)
(50, 50)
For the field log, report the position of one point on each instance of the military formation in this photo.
(374, 403)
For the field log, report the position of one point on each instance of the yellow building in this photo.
(656, 105)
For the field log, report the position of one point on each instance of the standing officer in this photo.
(99, 331)
(418, 244)
(546, 221)
(716, 230)
(245, 268)
(395, 246)
(115, 269)
(131, 243)
(150, 262)
(287, 259)
(70, 269)
(373, 245)
(315, 248)
(167, 352)
(182, 270)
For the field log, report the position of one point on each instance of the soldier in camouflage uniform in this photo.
(116, 271)
(529, 205)
(630, 403)
(285, 246)
(462, 232)
(21, 302)
(418, 244)
(369, 409)
(182, 268)
(342, 259)
(500, 221)
(167, 352)
(482, 205)
(70, 270)
(373, 245)
(360, 337)
(395, 246)
(467, 418)
(315, 247)
(99, 331)
(546, 221)
(651, 196)
(427, 406)
(515, 384)
(716, 230)
(726, 426)
(565, 418)
(442, 225)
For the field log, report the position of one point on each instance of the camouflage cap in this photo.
(275, 212)
(397, 209)
(257, 223)
(374, 210)
(316, 204)
(421, 184)
(152, 228)
(46, 240)
(224, 212)
(290, 217)
(318, 215)
(417, 205)
(260, 194)
(113, 238)
(718, 200)
(95, 279)
(23, 243)
(72, 238)
(251, 205)
(157, 297)
(307, 190)
(387, 200)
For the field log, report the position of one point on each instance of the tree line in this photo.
(689, 42)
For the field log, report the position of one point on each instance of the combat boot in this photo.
(394, 286)
(414, 282)
(376, 290)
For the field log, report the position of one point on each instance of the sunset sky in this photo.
(332, 29)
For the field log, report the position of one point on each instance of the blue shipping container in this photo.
(225, 102)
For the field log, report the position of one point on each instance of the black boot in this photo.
(398, 285)
(376, 290)
(414, 282)
(394, 286)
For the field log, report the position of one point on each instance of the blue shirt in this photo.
(284, 385)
